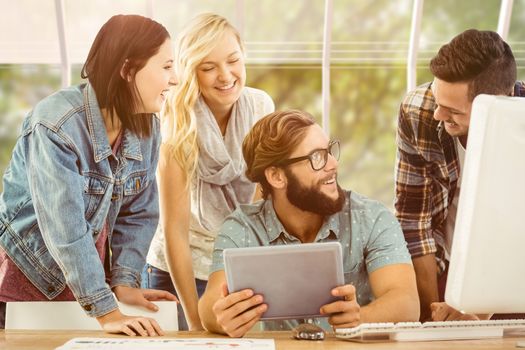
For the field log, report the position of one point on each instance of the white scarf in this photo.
(221, 183)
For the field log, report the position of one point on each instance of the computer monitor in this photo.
(487, 263)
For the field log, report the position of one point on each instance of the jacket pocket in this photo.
(94, 190)
(135, 183)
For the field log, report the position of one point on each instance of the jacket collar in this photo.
(130, 147)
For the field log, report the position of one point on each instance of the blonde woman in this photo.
(201, 168)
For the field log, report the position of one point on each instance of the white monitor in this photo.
(487, 264)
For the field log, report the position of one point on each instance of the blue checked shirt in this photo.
(369, 234)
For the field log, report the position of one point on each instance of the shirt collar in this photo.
(274, 227)
(330, 226)
(130, 147)
(440, 125)
(519, 89)
(440, 129)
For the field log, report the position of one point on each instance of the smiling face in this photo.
(221, 74)
(453, 106)
(316, 191)
(154, 80)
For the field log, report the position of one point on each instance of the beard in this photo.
(312, 199)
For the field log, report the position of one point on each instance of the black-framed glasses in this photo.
(318, 157)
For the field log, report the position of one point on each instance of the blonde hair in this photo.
(193, 44)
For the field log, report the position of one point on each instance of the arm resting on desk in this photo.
(396, 298)
(426, 274)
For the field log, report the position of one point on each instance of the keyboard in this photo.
(416, 331)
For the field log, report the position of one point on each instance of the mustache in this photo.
(329, 177)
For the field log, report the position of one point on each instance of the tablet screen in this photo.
(295, 280)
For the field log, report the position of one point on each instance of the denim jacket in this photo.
(62, 184)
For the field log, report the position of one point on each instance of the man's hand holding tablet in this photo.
(284, 282)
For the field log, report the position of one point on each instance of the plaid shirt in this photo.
(427, 173)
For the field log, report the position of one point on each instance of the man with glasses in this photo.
(295, 163)
(432, 135)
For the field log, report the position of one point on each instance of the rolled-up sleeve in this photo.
(231, 234)
(386, 244)
(413, 187)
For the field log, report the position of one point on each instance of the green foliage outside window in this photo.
(365, 95)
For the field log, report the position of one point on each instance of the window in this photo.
(284, 50)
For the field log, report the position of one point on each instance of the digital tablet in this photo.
(295, 280)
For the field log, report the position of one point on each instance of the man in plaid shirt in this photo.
(432, 137)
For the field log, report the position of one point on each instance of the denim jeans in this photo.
(154, 278)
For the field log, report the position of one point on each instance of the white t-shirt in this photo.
(450, 223)
(201, 239)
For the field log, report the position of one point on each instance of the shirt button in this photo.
(88, 307)
(114, 197)
(50, 289)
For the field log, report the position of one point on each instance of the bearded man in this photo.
(295, 163)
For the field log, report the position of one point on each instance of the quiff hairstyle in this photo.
(125, 42)
(271, 141)
(480, 58)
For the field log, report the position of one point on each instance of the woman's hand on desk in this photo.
(142, 297)
(237, 312)
(343, 313)
(117, 322)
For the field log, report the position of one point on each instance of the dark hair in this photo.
(125, 42)
(271, 140)
(480, 58)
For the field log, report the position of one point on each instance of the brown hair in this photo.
(124, 42)
(480, 58)
(272, 140)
